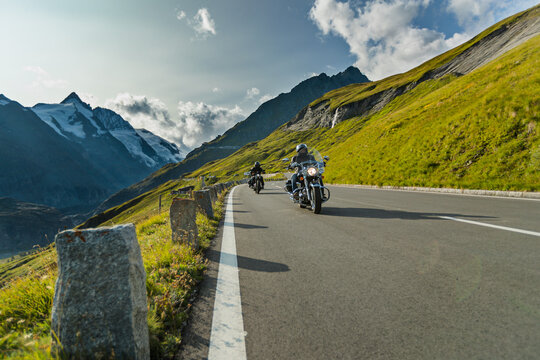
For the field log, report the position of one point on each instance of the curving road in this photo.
(378, 275)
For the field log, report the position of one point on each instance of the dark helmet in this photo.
(300, 147)
(257, 163)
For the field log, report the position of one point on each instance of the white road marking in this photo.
(227, 339)
(534, 233)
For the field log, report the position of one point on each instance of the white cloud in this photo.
(180, 15)
(88, 98)
(475, 16)
(216, 89)
(143, 112)
(43, 79)
(381, 34)
(265, 98)
(200, 122)
(203, 23)
(195, 122)
(253, 92)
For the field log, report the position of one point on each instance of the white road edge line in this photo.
(227, 338)
(534, 233)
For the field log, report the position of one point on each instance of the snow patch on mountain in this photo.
(123, 131)
(61, 117)
(4, 100)
(163, 148)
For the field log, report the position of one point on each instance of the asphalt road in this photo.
(381, 275)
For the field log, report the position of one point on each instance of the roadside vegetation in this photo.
(172, 274)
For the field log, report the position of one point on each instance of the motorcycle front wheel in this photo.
(316, 200)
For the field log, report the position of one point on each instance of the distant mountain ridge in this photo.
(71, 156)
(268, 117)
(76, 120)
(275, 112)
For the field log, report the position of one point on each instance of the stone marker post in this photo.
(183, 214)
(213, 193)
(202, 198)
(99, 308)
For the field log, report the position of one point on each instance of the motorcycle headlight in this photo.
(312, 171)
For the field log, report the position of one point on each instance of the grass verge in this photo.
(173, 272)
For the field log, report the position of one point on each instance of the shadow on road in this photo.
(249, 263)
(248, 226)
(391, 214)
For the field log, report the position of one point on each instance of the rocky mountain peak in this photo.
(73, 98)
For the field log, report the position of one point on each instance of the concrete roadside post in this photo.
(99, 307)
(213, 193)
(202, 198)
(183, 215)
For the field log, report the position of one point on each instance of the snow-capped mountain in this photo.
(69, 155)
(77, 121)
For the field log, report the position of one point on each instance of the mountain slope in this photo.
(478, 130)
(15, 233)
(259, 124)
(40, 166)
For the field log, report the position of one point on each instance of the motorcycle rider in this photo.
(301, 156)
(256, 169)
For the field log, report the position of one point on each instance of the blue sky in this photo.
(188, 70)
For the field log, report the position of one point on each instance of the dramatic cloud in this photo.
(195, 123)
(381, 34)
(147, 113)
(199, 122)
(43, 79)
(253, 92)
(203, 23)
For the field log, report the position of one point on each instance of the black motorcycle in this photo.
(310, 190)
(256, 182)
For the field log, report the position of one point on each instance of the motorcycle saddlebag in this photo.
(288, 185)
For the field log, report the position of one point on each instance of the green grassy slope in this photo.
(172, 274)
(475, 131)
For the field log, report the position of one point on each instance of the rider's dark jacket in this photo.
(256, 170)
(301, 157)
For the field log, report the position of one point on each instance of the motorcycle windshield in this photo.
(319, 161)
